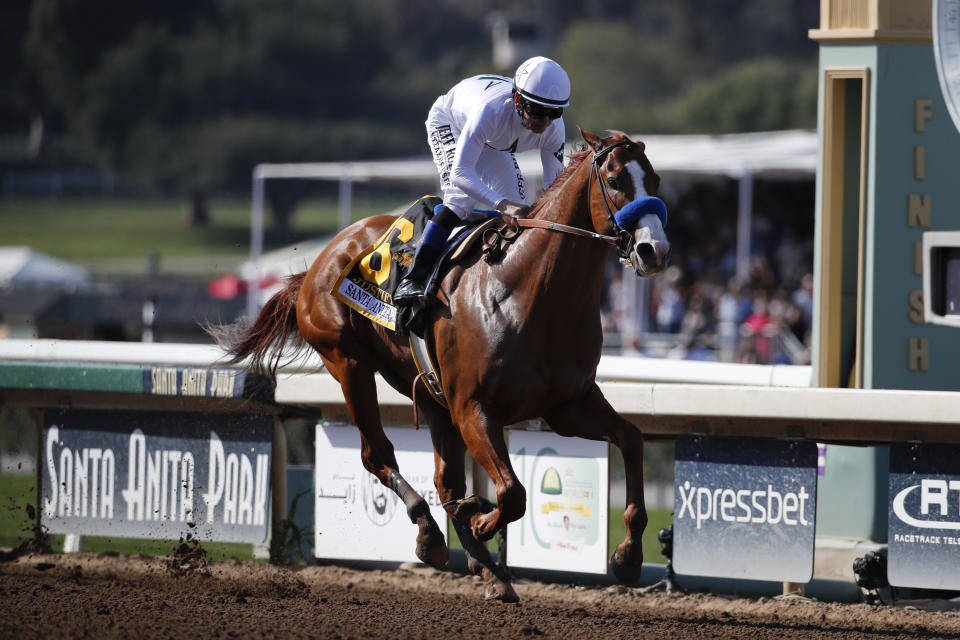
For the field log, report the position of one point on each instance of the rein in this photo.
(509, 229)
(493, 239)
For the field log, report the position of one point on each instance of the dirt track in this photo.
(86, 595)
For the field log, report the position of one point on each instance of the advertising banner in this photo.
(744, 508)
(923, 544)
(142, 474)
(356, 517)
(565, 527)
(197, 382)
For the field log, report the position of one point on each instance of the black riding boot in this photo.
(411, 288)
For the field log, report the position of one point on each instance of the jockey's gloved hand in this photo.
(513, 209)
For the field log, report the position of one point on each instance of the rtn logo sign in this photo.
(744, 505)
(933, 493)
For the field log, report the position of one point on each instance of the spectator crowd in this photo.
(700, 308)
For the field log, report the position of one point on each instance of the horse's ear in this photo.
(594, 141)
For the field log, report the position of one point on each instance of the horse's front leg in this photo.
(449, 478)
(486, 444)
(593, 418)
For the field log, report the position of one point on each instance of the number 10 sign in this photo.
(567, 482)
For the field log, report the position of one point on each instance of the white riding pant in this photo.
(498, 170)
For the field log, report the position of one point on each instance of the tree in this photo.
(764, 95)
(617, 76)
(192, 94)
(694, 67)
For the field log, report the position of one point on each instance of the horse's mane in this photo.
(576, 159)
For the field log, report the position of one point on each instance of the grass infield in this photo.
(88, 230)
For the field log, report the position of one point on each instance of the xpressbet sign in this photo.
(744, 508)
(759, 506)
(924, 519)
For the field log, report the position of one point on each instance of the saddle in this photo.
(368, 282)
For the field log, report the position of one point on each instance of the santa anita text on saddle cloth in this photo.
(365, 295)
(153, 485)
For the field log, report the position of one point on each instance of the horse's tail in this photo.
(269, 336)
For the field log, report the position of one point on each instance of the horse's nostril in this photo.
(646, 252)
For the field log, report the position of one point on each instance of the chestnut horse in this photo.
(516, 339)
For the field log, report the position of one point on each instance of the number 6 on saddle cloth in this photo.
(368, 282)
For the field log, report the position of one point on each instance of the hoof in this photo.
(625, 573)
(431, 547)
(436, 557)
(466, 508)
(474, 511)
(497, 589)
(480, 528)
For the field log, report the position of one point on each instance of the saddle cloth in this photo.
(368, 282)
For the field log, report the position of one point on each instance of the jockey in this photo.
(474, 131)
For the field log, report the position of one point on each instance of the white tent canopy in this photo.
(769, 153)
(740, 156)
(732, 155)
(23, 266)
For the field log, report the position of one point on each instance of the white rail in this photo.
(611, 368)
(662, 397)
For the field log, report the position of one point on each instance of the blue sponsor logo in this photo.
(924, 516)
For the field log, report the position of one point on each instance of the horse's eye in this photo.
(614, 182)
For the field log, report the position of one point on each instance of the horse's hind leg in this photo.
(592, 417)
(449, 478)
(360, 393)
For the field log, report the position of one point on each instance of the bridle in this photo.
(510, 229)
(622, 237)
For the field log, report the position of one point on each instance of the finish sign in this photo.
(923, 543)
(744, 508)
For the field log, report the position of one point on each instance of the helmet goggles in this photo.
(538, 111)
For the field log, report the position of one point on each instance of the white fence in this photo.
(664, 398)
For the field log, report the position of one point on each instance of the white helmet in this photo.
(543, 81)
